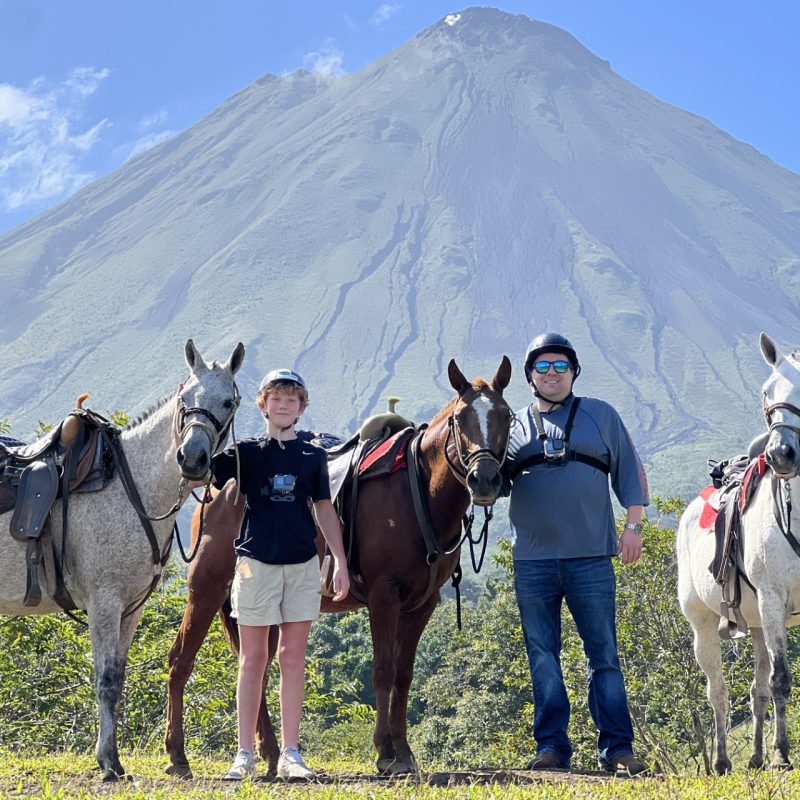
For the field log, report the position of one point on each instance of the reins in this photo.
(782, 501)
(216, 436)
(434, 551)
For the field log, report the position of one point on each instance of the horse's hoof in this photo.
(180, 771)
(780, 765)
(393, 766)
(723, 767)
(755, 763)
(111, 775)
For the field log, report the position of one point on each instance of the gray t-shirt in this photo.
(565, 511)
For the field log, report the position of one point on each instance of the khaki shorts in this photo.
(269, 594)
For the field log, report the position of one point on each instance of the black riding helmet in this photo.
(550, 343)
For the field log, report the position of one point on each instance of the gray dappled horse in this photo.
(769, 563)
(109, 567)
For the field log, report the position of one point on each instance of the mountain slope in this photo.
(488, 179)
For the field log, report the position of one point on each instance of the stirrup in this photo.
(33, 557)
(729, 628)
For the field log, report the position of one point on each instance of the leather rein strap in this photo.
(434, 551)
(129, 484)
(432, 546)
(782, 501)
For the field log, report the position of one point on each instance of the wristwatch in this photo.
(634, 526)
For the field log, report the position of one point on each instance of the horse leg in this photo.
(409, 630)
(772, 611)
(709, 658)
(383, 621)
(196, 621)
(759, 697)
(266, 741)
(111, 636)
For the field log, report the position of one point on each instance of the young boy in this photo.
(277, 580)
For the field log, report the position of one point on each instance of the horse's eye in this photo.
(228, 404)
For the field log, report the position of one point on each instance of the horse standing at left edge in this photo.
(119, 538)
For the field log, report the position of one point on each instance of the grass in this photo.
(70, 776)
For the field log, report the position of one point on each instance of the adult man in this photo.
(562, 453)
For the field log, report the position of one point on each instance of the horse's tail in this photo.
(231, 631)
(229, 626)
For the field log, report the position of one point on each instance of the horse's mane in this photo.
(148, 413)
(478, 384)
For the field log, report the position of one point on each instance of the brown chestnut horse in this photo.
(459, 457)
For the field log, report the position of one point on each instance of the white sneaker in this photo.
(244, 766)
(292, 766)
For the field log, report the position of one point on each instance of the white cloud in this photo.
(149, 141)
(154, 120)
(384, 12)
(42, 145)
(327, 60)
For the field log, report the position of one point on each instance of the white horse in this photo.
(768, 561)
(110, 565)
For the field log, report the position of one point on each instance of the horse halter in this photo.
(216, 434)
(770, 408)
(471, 458)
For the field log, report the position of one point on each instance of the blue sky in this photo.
(85, 84)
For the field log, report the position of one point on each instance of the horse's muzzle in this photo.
(484, 483)
(194, 464)
(782, 453)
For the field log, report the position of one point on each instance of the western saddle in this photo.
(72, 457)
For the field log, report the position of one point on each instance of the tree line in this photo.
(471, 702)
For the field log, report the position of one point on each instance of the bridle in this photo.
(465, 461)
(782, 501)
(218, 434)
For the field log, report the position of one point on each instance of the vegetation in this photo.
(69, 777)
(471, 703)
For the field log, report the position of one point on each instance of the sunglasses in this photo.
(543, 367)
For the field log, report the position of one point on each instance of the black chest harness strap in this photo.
(571, 455)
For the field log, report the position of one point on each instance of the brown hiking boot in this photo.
(625, 765)
(547, 760)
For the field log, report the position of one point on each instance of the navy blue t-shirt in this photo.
(273, 531)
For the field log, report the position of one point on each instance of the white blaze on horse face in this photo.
(482, 406)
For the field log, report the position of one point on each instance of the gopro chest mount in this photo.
(281, 488)
(556, 452)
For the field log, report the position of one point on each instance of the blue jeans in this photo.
(589, 587)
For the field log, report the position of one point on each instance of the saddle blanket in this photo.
(388, 457)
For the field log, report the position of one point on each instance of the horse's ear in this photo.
(193, 357)
(769, 350)
(236, 359)
(457, 379)
(503, 375)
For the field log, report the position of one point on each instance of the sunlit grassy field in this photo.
(67, 776)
